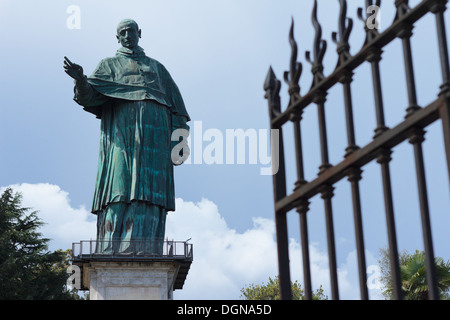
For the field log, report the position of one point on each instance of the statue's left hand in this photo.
(72, 69)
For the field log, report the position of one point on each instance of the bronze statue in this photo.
(140, 106)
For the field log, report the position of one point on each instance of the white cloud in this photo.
(63, 224)
(351, 269)
(224, 260)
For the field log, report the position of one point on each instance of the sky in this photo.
(218, 53)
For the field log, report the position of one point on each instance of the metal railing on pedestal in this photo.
(134, 249)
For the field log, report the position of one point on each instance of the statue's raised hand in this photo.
(72, 69)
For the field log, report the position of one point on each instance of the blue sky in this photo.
(218, 52)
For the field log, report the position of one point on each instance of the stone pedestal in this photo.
(132, 276)
(130, 280)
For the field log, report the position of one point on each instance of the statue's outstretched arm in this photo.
(84, 93)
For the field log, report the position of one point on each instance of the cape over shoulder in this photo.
(137, 77)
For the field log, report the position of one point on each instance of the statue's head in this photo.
(128, 33)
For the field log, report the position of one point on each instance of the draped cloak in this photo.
(139, 105)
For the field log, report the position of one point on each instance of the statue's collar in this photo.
(137, 52)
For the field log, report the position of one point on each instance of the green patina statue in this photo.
(139, 106)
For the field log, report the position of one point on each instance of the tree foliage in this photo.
(271, 291)
(413, 275)
(27, 269)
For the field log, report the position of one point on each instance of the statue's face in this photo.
(128, 36)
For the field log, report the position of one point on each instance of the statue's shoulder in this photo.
(109, 60)
(113, 65)
(161, 68)
(106, 63)
(153, 62)
(157, 66)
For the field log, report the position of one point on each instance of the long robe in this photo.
(139, 106)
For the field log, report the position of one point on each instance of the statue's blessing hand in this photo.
(72, 69)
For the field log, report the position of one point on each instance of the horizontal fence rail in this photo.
(410, 129)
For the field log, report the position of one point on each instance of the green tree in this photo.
(413, 276)
(270, 291)
(27, 269)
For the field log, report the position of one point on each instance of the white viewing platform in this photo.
(146, 270)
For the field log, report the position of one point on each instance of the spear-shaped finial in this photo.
(292, 76)
(344, 29)
(271, 80)
(272, 87)
(372, 31)
(319, 48)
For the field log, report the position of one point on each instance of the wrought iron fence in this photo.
(135, 250)
(411, 129)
